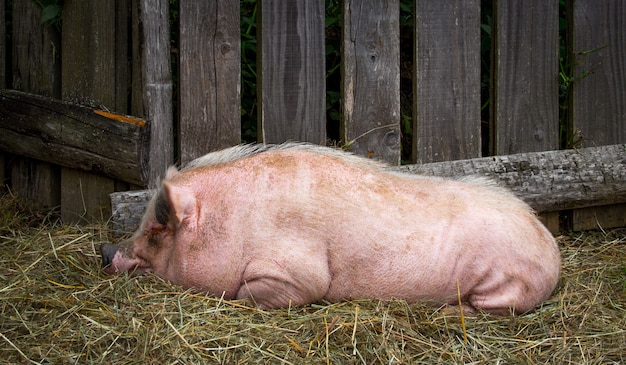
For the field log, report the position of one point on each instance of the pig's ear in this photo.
(183, 203)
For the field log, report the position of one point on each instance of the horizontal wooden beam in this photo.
(74, 136)
(547, 181)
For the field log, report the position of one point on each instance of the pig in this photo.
(294, 224)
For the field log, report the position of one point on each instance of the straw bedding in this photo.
(57, 307)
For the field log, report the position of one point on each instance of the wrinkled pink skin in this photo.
(293, 226)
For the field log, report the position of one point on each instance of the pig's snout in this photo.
(108, 251)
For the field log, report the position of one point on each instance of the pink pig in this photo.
(295, 224)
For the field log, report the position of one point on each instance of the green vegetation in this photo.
(248, 71)
(51, 11)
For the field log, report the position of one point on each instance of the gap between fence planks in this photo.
(547, 181)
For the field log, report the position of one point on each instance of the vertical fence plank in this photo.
(371, 79)
(446, 80)
(89, 76)
(599, 47)
(291, 69)
(3, 46)
(36, 69)
(138, 41)
(3, 68)
(524, 93)
(210, 77)
(525, 90)
(89, 66)
(122, 69)
(599, 95)
(36, 52)
(157, 88)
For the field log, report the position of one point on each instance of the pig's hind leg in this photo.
(508, 297)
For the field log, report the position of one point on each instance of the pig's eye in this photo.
(153, 241)
(154, 234)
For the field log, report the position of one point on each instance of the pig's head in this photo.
(172, 212)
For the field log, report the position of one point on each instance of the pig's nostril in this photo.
(107, 251)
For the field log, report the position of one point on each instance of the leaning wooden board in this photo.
(74, 136)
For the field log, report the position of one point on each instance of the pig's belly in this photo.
(412, 271)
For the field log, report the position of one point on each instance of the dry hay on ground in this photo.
(58, 307)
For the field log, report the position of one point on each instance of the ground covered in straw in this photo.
(58, 308)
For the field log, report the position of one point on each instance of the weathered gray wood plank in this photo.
(128, 208)
(291, 71)
(36, 183)
(122, 56)
(2, 75)
(371, 79)
(36, 52)
(525, 100)
(89, 74)
(36, 69)
(3, 177)
(598, 110)
(524, 95)
(547, 181)
(3, 46)
(605, 217)
(210, 77)
(89, 53)
(446, 82)
(599, 45)
(157, 84)
(136, 107)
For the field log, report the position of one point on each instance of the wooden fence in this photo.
(114, 56)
